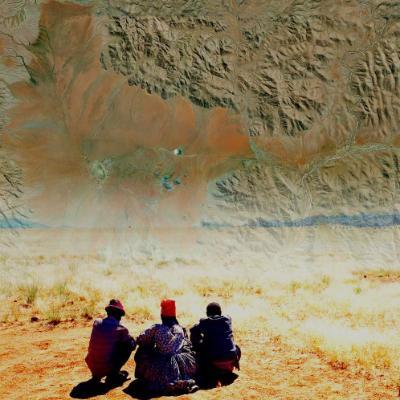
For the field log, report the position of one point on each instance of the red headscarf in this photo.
(168, 308)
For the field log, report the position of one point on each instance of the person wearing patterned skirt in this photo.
(165, 361)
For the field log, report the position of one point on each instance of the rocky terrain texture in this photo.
(18, 24)
(289, 69)
(119, 156)
(316, 84)
(294, 104)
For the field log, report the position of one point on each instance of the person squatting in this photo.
(167, 360)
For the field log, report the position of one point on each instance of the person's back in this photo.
(110, 345)
(213, 341)
(165, 361)
(166, 339)
(217, 338)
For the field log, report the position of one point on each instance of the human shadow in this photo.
(88, 389)
(138, 391)
(208, 383)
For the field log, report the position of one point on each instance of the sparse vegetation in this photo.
(29, 292)
(53, 314)
(380, 275)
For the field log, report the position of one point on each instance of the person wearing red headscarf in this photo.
(165, 361)
(110, 345)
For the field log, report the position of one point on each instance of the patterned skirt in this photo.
(159, 371)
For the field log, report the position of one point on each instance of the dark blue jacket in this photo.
(213, 336)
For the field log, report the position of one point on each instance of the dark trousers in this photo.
(206, 361)
(120, 356)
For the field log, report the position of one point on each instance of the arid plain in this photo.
(315, 318)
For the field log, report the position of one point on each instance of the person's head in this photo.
(213, 310)
(115, 309)
(168, 312)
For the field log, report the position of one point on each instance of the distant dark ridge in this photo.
(13, 223)
(361, 220)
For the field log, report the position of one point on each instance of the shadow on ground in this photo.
(224, 380)
(88, 389)
(137, 391)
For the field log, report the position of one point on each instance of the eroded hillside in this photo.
(285, 109)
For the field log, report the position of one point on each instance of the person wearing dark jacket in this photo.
(213, 341)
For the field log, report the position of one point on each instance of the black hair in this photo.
(169, 321)
(213, 309)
